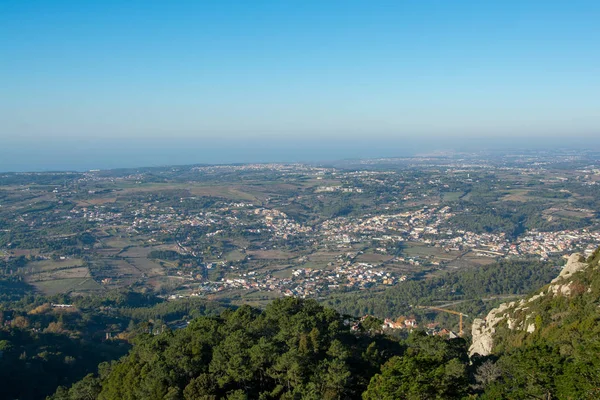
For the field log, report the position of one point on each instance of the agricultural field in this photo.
(292, 229)
(54, 277)
(452, 196)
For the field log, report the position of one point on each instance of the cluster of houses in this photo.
(339, 188)
(410, 225)
(279, 224)
(402, 323)
(307, 282)
(545, 244)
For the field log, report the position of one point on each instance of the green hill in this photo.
(544, 346)
(294, 349)
(548, 344)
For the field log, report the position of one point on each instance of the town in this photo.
(264, 230)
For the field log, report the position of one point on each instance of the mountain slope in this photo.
(547, 345)
(569, 302)
(294, 349)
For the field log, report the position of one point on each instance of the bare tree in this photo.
(487, 373)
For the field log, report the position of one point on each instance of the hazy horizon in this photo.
(86, 155)
(110, 84)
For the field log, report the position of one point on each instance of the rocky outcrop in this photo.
(514, 314)
(575, 263)
(483, 338)
(483, 329)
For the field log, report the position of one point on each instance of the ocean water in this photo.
(80, 154)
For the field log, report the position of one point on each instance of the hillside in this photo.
(58, 340)
(294, 349)
(554, 334)
(544, 346)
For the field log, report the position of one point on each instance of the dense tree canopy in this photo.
(298, 349)
(293, 349)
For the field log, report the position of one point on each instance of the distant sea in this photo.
(82, 155)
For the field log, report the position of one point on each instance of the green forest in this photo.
(52, 346)
(302, 349)
(298, 349)
(293, 349)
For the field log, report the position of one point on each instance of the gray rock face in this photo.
(483, 339)
(483, 329)
(573, 265)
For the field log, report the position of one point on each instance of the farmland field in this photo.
(452, 196)
(56, 286)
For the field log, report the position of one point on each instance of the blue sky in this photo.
(297, 70)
